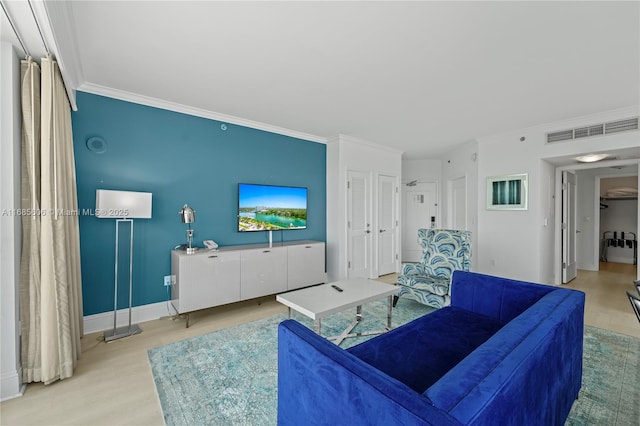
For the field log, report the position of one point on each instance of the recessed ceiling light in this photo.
(591, 158)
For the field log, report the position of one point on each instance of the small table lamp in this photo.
(188, 216)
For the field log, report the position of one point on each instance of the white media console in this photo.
(230, 274)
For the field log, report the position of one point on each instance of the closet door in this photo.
(358, 224)
(387, 224)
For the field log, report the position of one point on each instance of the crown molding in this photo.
(197, 112)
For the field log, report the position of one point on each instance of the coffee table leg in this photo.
(389, 310)
(317, 325)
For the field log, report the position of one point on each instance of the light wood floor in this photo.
(607, 305)
(113, 385)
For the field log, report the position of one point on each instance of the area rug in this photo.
(229, 377)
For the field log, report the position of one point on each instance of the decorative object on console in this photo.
(210, 244)
(188, 216)
(124, 206)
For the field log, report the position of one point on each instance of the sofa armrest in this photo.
(529, 372)
(500, 298)
(320, 383)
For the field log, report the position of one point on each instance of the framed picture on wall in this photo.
(507, 192)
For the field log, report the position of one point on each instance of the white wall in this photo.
(10, 225)
(508, 241)
(517, 244)
(421, 170)
(462, 162)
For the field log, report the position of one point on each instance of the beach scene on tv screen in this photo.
(264, 208)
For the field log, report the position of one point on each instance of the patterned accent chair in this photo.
(444, 251)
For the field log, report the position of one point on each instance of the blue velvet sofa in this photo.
(504, 352)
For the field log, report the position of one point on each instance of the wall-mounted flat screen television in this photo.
(271, 208)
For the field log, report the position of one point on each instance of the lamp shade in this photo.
(187, 214)
(123, 204)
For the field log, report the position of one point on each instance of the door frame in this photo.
(558, 206)
(369, 203)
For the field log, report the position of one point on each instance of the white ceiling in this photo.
(420, 77)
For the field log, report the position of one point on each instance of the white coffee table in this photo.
(322, 300)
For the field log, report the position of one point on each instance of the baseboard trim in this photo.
(11, 385)
(104, 321)
(628, 260)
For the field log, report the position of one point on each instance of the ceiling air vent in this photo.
(564, 135)
(593, 130)
(589, 131)
(622, 125)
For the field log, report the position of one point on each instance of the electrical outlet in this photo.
(173, 280)
(167, 280)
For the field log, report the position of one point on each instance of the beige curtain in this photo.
(50, 284)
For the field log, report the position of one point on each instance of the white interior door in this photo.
(387, 224)
(419, 207)
(358, 225)
(458, 203)
(569, 257)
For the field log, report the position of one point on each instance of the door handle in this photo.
(382, 230)
(367, 231)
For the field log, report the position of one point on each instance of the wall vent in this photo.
(593, 130)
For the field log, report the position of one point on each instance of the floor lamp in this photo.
(123, 206)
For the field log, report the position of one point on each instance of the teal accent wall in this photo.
(180, 159)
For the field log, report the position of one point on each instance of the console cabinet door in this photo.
(305, 265)
(207, 279)
(263, 272)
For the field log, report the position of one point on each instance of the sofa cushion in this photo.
(494, 358)
(422, 351)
